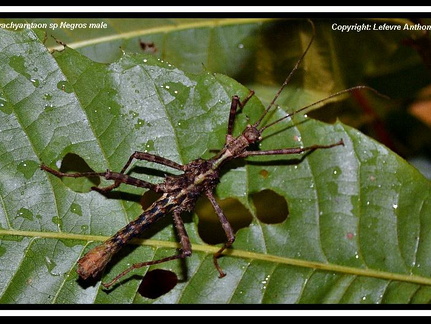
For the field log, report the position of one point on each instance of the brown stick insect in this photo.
(180, 192)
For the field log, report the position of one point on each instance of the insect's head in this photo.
(252, 134)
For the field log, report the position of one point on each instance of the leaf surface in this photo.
(358, 224)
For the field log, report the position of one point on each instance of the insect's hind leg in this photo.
(186, 250)
(227, 229)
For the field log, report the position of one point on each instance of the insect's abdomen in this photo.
(91, 264)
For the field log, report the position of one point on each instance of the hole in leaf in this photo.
(72, 163)
(157, 283)
(148, 198)
(271, 208)
(209, 227)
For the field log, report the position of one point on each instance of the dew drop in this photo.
(18, 64)
(240, 45)
(64, 86)
(76, 209)
(5, 106)
(394, 206)
(149, 146)
(57, 220)
(3, 250)
(139, 123)
(49, 107)
(133, 113)
(28, 168)
(25, 213)
(51, 265)
(265, 282)
(35, 82)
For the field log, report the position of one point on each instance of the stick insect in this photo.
(180, 192)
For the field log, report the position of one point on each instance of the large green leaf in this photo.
(358, 227)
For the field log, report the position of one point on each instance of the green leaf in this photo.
(358, 225)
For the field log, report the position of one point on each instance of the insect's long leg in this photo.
(233, 110)
(151, 158)
(71, 175)
(140, 156)
(108, 175)
(186, 250)
(291, 150)
(227, 229)
(126, 179)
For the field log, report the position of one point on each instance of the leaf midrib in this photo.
(415, 279)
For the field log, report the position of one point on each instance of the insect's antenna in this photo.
(286, 82)
(323, 100)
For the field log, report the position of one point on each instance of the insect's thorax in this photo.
(236, 146)
(199, 176)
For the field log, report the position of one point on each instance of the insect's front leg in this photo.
(291, 150)
(236, 102)
(227, 229)
(152, 158)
